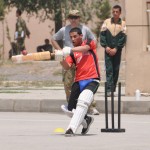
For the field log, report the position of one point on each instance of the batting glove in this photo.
(58, 55)
(66, 51)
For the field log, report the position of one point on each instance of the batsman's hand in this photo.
(66, 51)
(58, 55)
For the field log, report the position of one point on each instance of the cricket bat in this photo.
(39, 56)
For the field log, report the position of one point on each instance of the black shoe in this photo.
(69, 132)
(89, 121)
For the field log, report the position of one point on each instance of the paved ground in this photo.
(50, 99)
(36, 131)
(28, 117)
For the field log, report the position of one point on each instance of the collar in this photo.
(119, 20)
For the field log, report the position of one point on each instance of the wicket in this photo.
(113, 129)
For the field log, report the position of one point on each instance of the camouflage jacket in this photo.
(113, 34)
(21, 27)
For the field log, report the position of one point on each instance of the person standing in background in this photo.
(113, 39)
(21, 32)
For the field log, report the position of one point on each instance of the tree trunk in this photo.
(58, 18)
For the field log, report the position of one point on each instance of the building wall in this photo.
(39, 31)
(137, 56)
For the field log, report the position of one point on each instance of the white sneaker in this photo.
(93, 111)
(109, 94)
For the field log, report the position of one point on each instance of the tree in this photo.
(2, 8)
(102, 10)
(52, 9)
(58, 9)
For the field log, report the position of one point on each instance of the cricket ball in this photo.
(24, 52)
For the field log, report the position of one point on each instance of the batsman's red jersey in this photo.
(87, 66)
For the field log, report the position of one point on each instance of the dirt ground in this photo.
(37, 73)
(40, 73)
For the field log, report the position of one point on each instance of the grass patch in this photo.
(3, 78)
(27, 84)
(57, 73)
(10, 91)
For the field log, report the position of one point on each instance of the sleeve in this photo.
(27, 31)
(103, 40)
(122, 37)
(91, 43)
(16, 27)
(90, 35)
(25, 28)
(59, 35)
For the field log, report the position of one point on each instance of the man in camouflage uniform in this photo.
(113, 39)
(63, 34)
(21, 32)
(68, 79)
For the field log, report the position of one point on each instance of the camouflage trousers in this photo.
(112, 64)
(68, 79)
(20, 45)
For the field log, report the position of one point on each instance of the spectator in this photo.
(21, 32)
(13, 50)
(113, 39)
(45, 47)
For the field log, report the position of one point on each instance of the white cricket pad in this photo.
(84, 101)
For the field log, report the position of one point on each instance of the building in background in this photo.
(137, 51)
(39, 31)
(136, 54)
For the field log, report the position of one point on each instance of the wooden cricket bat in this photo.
(39, 56)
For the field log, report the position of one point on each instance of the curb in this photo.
(52, 105)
